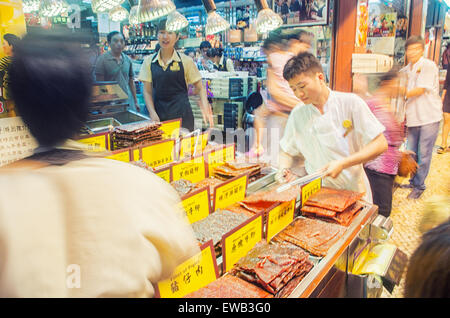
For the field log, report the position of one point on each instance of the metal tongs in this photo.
(303, 180)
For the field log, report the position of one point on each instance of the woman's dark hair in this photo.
(302, 63)
(213, 52)
(12, 39)
(205, 45)
(428, 274)
(414, 40)
(51, 85)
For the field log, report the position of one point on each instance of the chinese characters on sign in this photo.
(230, 192)
(279, 217)
(310, 188)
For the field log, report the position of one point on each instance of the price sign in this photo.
(193, 170)
(310, 188)
(171, 128)
(120, 155)
(238, 242)
(159, 153)
(219, 157)
(165, 174)
(96, 142)
(188, 145)
(197, 205)
(136, 154)
(230, 192)
(279, 217)
(193, 274)
(229, 153)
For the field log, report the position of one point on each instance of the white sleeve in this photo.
(427, 77)
(364, 121)
(288, 141)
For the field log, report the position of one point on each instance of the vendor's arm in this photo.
(133, 91)
(369, 152)
(204, 104)
(148, 97)
(415, 92)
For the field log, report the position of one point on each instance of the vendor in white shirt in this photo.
(333, 130)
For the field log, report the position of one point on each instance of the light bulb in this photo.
(267, 21)
(100, 6)
(150, 10)
(52, 8)
(176, 21)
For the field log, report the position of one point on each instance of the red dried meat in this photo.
(343, 218)
(237, 208)
(274, 196)
(318, 211)
(333, 199)
(229, 286)
(257, 207)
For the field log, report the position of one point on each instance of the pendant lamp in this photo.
(176, 21)
(267, 20)
(30, 5)
(133, 18)
(214, 22)
(100, 6)
(150, 10)
(118, 14)
(52, 8)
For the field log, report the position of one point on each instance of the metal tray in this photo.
(100, 125)
(263, 183)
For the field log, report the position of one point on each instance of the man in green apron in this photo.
(166, 75)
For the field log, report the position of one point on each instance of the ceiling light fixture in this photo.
(30, 5)
(176, 21)
(214, 22)
(150, 10)
(100, 6)
(52, 8)
(267, 20)
(118, 14)
(133, 17)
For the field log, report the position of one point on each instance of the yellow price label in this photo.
(310, 188)
(230, 192)
(279, 217)
(193, 170)
(158, 154)
(171, 128)
(187, 145)
(229, 153)
(214, 159)
(193, 274)
(240, 241)
(95, 143)
(136, 154)
(165, 174)
(197, 205)
(120, 156)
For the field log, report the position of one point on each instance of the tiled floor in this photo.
(406, 214)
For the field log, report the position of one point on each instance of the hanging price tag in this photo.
(120, 155)
(96, 142)
(238, 242)
(193, 274)
(165, 174)
(159, 153)
(310, 188)
(171, 128)
(230, 192)
(193, 170)
(279, 217)
(197, 205)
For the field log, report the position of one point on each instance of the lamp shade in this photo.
(150, 10)
(267, 20)
(52, 8)
(118, 14)
(30, 5)
(215, 23)
(176, 21)
(133, 17)
(100, 6)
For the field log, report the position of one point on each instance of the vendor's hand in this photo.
(137, 106)
(154, 116)
(333, 169)
(285, 176)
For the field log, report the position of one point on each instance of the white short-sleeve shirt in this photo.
(426, 108)
(320, 138)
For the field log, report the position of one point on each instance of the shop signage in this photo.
(279, 217)
(165, 174)
(188, 145)
(120, 155)
(97, 142)
(238, 242)
(230, 192)
(310, 188)
(171, 128)
(197, 205)
(195, 273)
(193, 170)
(159, 153)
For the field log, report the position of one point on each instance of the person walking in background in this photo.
(9, 43)
(114, 65)
(446, 109)
(423, 110)
(382, 170)
(446, 56)
(202, 62)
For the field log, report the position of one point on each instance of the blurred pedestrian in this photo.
(423, 110)
(382, 170)
(203, 59)
(446, 109)
(71, 225)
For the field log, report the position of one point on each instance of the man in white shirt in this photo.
(333, 130)
(423, 110)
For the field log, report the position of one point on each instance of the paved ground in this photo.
(406, 214)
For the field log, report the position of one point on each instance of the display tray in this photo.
(265, 182)
(116, 119)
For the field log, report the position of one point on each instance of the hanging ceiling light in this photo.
(214, 23)
(100, 6)
(118, 14)
(267, 20)
(30, 5)
(150, 10)
(176, 21)
(133, 17)
(52, 8)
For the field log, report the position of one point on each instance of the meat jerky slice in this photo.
(237, 208)
(333, 199)
(257, 207)
(346, 217)
(318, 211)
(274, 196)
(229, 286)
